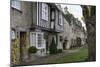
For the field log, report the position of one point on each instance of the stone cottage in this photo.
(34, 24)
(74, 34)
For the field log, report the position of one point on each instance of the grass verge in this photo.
(79, 56)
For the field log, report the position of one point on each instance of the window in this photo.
(44, 11)
(52, 15)
(16, 4)
(60, 19)
(52, 24)
(37, 39)
(33, 39)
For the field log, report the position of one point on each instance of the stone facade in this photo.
(74, 34)
(20, 25)
(29, 28)
(67, 35)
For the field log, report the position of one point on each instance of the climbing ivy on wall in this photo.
(15, 52)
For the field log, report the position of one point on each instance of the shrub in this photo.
(59, 51)
(32, 49)
(53, 47)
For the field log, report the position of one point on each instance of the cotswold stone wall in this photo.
(21, 20)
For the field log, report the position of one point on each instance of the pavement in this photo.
(50, 58)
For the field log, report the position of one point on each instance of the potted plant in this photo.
(32, 50)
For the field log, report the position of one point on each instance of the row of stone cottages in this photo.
(36, 24)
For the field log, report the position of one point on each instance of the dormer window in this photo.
(16, 4)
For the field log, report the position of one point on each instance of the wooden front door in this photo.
(22, 45)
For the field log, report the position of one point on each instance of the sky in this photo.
(76, 10)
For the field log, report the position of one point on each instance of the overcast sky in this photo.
(76, 10)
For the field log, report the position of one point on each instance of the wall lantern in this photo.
(13, 35)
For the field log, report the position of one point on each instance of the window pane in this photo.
(52, 24)
(16, 4)
(39, 40)
(33, 39)
(44, 11)
(60, 19)
(52, 15)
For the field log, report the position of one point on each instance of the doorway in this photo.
(23, 44)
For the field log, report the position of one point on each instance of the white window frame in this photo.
(16, 4)
(45, 11)
(39, 39)
(60, 19)
(32, 43)
(36, 39)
